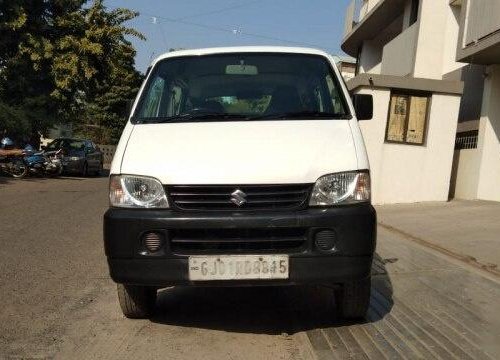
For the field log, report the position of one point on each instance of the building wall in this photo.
(433, 21)
(370, 59)
(464, 177)
(425, 49)
(392, 61)
(473, 78)
(451, 32)
(407, 173)
(407, 14)
(489, 137)
(348, 70)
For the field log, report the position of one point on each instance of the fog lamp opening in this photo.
(152, 241)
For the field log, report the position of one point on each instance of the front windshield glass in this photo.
(248, 86)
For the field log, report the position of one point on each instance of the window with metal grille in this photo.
(466, 140)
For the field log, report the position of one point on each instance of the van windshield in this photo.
(243, 86)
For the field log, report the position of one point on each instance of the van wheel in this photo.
(353, 299)
(136, 302)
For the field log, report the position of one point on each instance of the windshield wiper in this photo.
(227, 116)
(190, 117)
(302, 115)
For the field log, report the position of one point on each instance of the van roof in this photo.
(242, 49)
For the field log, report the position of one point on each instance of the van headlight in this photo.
(131, 191)
(341, 188)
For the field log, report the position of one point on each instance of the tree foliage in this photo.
(64, 61)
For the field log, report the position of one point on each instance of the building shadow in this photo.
(263, 310)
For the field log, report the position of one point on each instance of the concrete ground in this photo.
(469, 229)
(57, 300)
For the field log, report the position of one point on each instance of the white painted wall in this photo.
(451, 32)
(436, 42)
(393, 63)
(465, 178)
(370, 60)
(408, 173)
(437, 39)
(489, 138)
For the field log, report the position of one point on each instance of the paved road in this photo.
(57, 300)
(474, 236)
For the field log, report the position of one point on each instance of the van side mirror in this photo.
(363, 105)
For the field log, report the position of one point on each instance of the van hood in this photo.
(252, 152)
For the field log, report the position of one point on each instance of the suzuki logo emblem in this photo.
(238, 197)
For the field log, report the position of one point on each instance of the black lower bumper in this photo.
(354, 227)
(303, 270)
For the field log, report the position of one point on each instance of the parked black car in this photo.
(79, 156)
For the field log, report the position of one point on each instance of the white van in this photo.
(242, 166)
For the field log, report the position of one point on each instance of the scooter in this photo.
(43, 163)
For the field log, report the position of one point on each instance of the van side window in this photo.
(335, 95)
(154, 98)
(174, 105)
(317, 95)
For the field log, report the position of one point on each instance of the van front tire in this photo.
(353, 299)
(136, 302)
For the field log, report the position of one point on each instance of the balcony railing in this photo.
(367, 18)
(356, 11)
(479, 37)
(482, 20)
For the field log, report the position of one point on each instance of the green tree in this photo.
(117, 81)
(61, 62)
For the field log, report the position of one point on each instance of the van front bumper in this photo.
(354, 227)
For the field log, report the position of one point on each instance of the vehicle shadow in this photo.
(103, 173)
(6, 179)
(262, 310)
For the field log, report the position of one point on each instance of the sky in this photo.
(193, 24)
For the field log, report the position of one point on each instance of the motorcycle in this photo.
(14, 166)
(43, 163)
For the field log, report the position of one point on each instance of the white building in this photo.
(477, 169)
(347, 66)
(408, 54)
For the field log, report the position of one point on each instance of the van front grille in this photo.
(250, 240)
(239, 197)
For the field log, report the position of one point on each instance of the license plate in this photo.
(238, 267)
